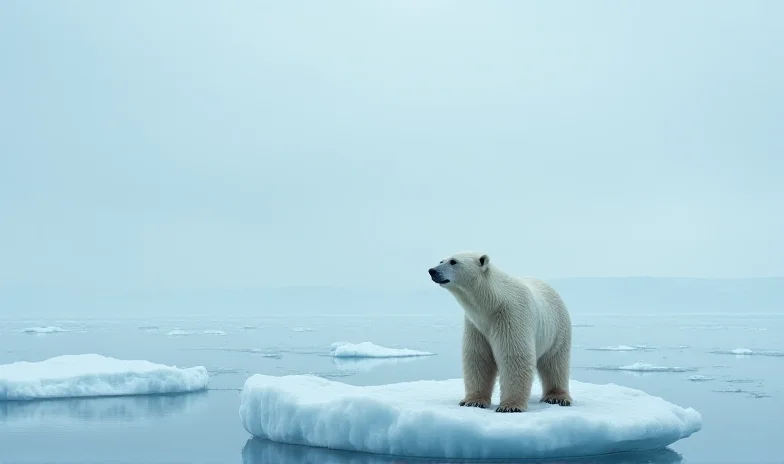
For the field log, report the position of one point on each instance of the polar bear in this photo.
(512, 325)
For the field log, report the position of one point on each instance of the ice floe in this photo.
(645, 367)
(371, 350)
(83, 375)
(422, 419)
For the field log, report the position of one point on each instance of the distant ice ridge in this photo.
(43, 330)
(749, 352)
(422, 419)
(88, 375)
(645, 367)
(370, 350)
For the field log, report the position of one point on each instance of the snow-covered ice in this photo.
(180, 332)
(645, 367)
(750, 352)
(370, 350)
(214, 332)
(88, 375)
(422, 419)
(43, 330)
(621, 348)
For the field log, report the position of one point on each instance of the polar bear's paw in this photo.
(559, 397)
(474, 403)
(503, 408)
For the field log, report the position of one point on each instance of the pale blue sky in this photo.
(184, 145)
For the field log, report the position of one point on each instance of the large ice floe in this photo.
(371, 350)
(91, 375)
(422, 419)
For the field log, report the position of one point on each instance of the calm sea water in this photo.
(740, 397)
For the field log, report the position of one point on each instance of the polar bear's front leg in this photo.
(516, 364)
(479, 368)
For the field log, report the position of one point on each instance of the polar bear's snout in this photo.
(437, 276)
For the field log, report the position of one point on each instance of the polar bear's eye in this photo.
(452, 262)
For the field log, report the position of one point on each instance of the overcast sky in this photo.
(184, 145)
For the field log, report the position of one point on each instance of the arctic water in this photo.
(727, 366)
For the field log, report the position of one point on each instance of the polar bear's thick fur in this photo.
(513, 325)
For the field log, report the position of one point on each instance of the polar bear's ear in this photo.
(484, 260)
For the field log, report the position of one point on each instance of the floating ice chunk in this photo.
(84, 375)
(301, 329)
(422, 419)
(370, 350)
(699, 378)
(622, 348)
(645, 367)
(749, 352)
(214, 332)
(43, 330)
(179, 332)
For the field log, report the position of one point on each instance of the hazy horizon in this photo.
(170, 147)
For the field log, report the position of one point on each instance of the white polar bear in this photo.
(513, 325)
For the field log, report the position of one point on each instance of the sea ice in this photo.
(645, 367)
(749, 352)
(370, 350)
(43, 330)
(422, 419)
(89, 375)
(214, 332)
(180, 332)
(622, 348)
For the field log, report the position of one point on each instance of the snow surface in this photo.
(370, 350)
(90, 375)
(43, 330)
(422, 419)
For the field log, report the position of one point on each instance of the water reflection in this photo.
(258, 451)
(101, 409)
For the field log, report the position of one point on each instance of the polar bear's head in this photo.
(461, 270)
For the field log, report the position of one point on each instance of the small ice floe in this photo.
(43, 330)
(83, 375)
(645, 367)
(371, 350)
(749, 352)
